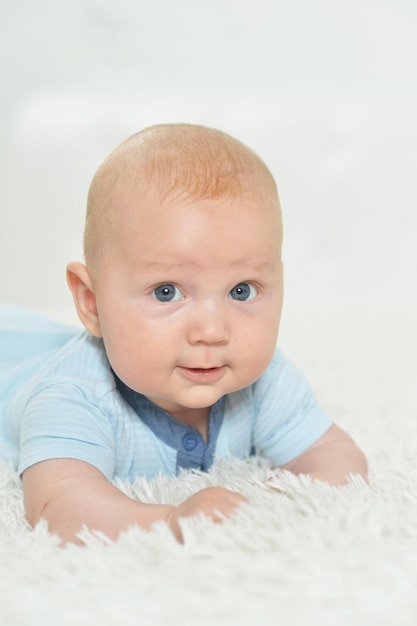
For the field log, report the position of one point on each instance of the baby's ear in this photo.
(79, 281)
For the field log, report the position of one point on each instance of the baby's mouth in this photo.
(208, 374)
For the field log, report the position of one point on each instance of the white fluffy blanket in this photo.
(312, 555)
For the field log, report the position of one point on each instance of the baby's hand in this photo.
(213, 502)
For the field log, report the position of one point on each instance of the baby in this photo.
(180, 295)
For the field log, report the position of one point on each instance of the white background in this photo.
(324, 90)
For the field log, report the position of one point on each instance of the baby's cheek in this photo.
(253, 365)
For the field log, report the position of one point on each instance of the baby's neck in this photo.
(196, 418)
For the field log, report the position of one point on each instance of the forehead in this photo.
(228, 229)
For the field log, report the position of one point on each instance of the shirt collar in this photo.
(193, 452)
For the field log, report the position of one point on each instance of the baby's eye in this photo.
(243, 292)
(167, 293)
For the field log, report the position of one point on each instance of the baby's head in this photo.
(183, 275)
(176, 160)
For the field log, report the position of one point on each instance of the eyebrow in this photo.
(251, 265)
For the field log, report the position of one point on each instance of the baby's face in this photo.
(189, 297)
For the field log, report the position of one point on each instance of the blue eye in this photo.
(243, 292)
(167, 293)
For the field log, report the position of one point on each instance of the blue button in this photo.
(190, 441)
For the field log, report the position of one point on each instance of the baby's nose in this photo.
(209, 324)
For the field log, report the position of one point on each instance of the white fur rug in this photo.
(313, 555)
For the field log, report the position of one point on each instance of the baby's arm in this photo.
(331, 459)
(71, 494)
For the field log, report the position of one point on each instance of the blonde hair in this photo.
(176, 159)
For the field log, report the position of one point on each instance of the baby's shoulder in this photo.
(281, 377)
(82, 363)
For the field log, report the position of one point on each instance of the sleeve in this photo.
(65, 420)
(288, 419)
